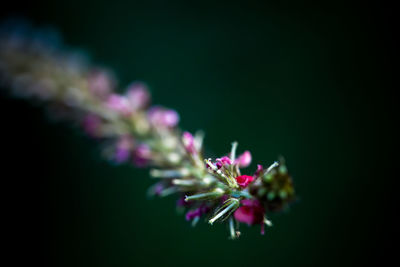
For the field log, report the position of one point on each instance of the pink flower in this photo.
(251, 212)
(141, 155)
(244, 180)
(162, 117)
(244, 160)
(223, 161)
(119, 103)
(138, 95)
(188, 142)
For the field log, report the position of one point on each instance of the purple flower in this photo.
(91, 125)
(158, 189)
(244, 160)
(162, 117)
(119, 103)
(191, 214)
(181, 202)
(123, 149)
(138, 95)
(141, 155)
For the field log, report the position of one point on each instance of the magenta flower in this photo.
(138, 95)
(119, 103)
(244, 180)
(244, 160)
(161, 117)
(223, 161)
(251, 212)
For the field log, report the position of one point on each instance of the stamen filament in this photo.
(229, 208)
(213, 194)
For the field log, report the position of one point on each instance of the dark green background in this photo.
(307, 81)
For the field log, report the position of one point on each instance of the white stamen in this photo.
(227, 209)
(215, 193)
(273, 165)
(267, 222)
(183, 182)
(169, 173)
(232, 228)
(233, 152)
(198, 140)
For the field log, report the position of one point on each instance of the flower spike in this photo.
(132, 130)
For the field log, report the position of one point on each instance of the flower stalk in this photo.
(132, 130)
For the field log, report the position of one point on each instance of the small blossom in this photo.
(119, 103)
(138, 95)
(188, 142)
(251, 212)
(223, 161)
(162, 117)
(244, 180)
(141, 155)
(244, 160)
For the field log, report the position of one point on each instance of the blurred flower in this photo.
(123, 149)
(192, 214)
(141, 155)
(138, 95)
(100, 83)
(91, 125)
(188, 142)
(251, 212)
(119, 104)
(161, 117)
(244, 160)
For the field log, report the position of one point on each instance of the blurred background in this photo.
(308, 81)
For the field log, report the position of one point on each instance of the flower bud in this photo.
(244, 160)
(138, 95)
(161, 117)
(119, 104)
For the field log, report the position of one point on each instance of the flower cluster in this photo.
(133, 130)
